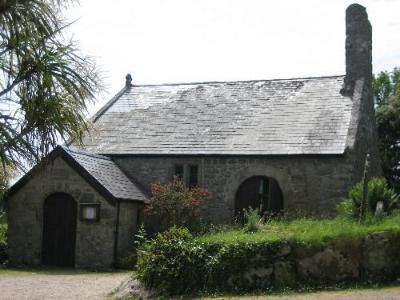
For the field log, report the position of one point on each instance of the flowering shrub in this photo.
(174, 204)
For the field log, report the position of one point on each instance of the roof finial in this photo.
(128, 80)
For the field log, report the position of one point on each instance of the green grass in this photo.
(328, 293)
(307, 231)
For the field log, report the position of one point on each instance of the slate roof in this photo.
(99, 171)
(263, 117)
(107, 174)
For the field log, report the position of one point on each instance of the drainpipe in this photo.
(116, 233)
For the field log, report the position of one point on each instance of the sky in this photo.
(166, 41)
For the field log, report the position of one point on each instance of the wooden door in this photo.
(247, 196)
(59, 230)
(258, 192)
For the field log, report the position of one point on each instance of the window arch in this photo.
(259, 192)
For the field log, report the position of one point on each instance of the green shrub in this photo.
(3, 243)
(174, 204)
(252, 219)
(378, 191)
(173, 262)
(176, 263)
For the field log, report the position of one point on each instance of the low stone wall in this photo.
(374, 257)
(179, 265)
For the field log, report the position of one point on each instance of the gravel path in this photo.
(72, 284)
(53, 284)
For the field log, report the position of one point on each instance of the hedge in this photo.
(177, 263)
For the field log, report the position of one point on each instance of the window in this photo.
(188, 174)
(179, 171)
(90, 212)
(193, 175)
(259, 192)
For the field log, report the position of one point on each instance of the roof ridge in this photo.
(115, 98)
(236, 81)
(106, 106)
(99, 156)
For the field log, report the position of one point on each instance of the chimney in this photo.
(358, 48)
(128, 80)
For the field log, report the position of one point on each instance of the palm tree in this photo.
(45, 83)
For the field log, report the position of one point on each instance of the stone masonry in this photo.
(94, 241)
(309, 180)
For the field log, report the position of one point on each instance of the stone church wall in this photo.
(129, 220)
(94, 241)
(310, 185)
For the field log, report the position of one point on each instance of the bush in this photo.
(176, 263)
(173, 262)
(173, 204)
(378, 191)
(3, 243)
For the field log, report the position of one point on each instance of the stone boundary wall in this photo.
(373, 258)
(179, 265)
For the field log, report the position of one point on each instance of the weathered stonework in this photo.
(94, 240)
(310, 185)
(336, 263)
(328, 265)
(380, 255)
(362, 137)
(128, 225)
(284, 274)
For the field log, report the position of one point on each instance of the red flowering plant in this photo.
(173, 203)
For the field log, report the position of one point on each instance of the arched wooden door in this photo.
(59, 230)
(259, 192)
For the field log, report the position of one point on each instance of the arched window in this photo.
(259, 192)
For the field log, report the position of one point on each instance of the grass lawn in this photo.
(354, 292)
(307, 231)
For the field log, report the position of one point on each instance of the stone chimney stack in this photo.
(358, 48)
